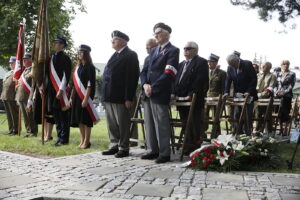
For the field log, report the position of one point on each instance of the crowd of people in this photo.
(163, 78)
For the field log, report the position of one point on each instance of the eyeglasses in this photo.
(188, 48)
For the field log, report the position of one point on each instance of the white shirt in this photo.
(122, 49)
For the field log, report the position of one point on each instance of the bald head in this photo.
(151, 43)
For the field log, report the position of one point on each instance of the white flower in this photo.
(271, 140)
(222, 158)
(258, 141)
(238, 147)
(225, 139)
(266, 150)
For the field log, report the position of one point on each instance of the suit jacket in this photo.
(62, 65)
(264, 81)
(216, 83)
(21, 94)
(120, 77)
(244, 79)
(286, 84)
(8, 89)
(194, 80)
(159, 71)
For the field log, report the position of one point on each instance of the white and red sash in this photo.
(56, 82)
(81, 91)
(25, 84)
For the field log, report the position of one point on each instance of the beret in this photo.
(27, 55)
(163, 26)
(12, 59)
(120, 34)
(85, 47)
(213, 58)
(61, 40)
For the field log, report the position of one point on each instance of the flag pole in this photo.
(22, 39)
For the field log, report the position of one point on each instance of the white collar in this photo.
(122, 49)
(164, 45)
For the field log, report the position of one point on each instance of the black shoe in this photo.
(162, 159)
(149, 156)
(13, 133)
(110, 152)
(122, 154)
(87, 146)
(58, 143)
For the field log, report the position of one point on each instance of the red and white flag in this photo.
(20, 52)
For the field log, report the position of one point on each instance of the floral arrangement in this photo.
(228, 152)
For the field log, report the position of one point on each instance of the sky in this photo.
(217, 26)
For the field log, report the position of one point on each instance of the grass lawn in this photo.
(33, 146)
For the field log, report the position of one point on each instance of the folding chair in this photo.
(138, 119)
(267, 116)
(187, 127)
(213, 104)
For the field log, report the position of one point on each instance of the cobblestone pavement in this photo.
(93, 176)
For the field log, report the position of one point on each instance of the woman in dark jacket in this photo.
(286, 81)
(83, 91)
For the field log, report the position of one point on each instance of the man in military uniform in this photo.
(266, 82)
(120, 79)
(8, 98)
(22, 93)
(157, 77)
(192, 77)
(217, 77)
(57, 102)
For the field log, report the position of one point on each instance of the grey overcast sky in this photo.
(216, 25)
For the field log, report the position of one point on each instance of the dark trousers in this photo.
(197, 127)
(236, 115)
(62, 123)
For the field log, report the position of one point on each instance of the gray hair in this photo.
(232, 58)
(193, 44)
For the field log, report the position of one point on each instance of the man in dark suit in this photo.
(59, 76)
(243, 76)
(120, 79)
(156, 79)
(192, 77)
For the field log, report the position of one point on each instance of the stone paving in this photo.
(93, 176)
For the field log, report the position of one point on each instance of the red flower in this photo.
(204, 165)
(221, 153)
(212, 156)
(231, 153)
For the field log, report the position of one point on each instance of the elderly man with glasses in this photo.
(157, 77)
(192, 77)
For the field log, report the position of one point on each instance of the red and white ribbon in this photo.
(81, 91)
(56, 82)
(24, 84)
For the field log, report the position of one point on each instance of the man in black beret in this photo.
(156, 79)
(120, 79)
(57, 101)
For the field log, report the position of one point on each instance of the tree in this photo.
(12, 12)
(286, 9)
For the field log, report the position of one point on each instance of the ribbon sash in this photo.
(64, 102)
(24, 84)
(81, 91)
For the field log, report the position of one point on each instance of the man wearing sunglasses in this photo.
(192, 77)
(157, 77)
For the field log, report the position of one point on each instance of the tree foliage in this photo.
(285, 9)
(12, 12)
